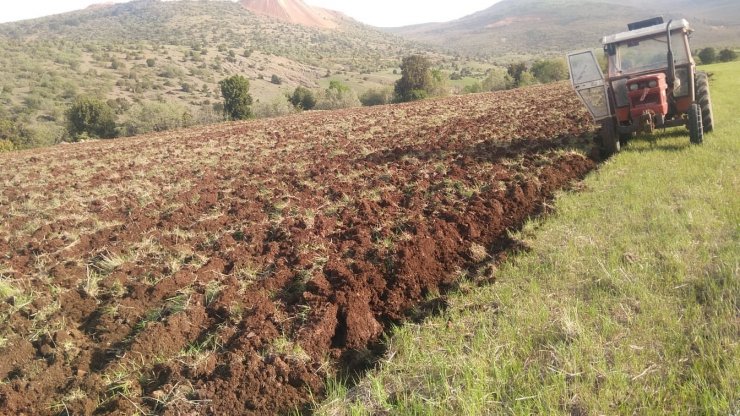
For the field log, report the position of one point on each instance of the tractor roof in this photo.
(646, 31)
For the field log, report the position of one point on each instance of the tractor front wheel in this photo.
(701, 85)
(609, 138)
(696, 130)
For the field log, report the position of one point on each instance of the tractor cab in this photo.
(651, 82)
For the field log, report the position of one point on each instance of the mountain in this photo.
(293, 11)
(533, 27)
(172, 54)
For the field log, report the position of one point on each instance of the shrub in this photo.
(237, 100)
(438, 88)
(303, 99)
(16, 133)
(171, 71)
(727, 55)
(92, 117)
(708, 55)
(527, 79)
(498, 79)
(515, 71)
(338, 96)
(276, 108)
(376, 97)
(276, 80)
(550, 70)
(156, 116)
(6, 146)
(151, 62)
(473, 88)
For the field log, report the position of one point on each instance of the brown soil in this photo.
(230, 269)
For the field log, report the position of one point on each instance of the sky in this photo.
(384, 13)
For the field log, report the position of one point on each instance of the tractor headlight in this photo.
(633, 87)
(653, 84)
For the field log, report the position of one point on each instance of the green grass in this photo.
(627, 302)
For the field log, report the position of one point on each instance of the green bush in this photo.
(18, 134)
(156, 116)
(498, 79)
(237, 100)
(90, 116)
(303, 98)
(515, 71)
(727, 55)
(275, 108)
(708, 55)
(338, 96)
(6, 146)
(376, 97)
(473, 88)
(550, 70)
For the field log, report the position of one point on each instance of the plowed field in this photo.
(229, 269)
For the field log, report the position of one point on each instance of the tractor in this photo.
(651, 83)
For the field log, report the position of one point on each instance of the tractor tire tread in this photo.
(696, 131)
(704, 100)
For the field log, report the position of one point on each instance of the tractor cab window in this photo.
(639, 55)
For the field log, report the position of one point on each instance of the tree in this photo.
(727, 55)
(303, 99)
(338, 96)
(527, 79)
(416, 79)
(237, 100)
(708, 55)
(92, 117)
(498, 79)
(550, 70)
(516, 70)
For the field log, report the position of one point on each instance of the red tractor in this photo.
(651, 83)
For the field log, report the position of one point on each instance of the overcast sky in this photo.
(373, 12)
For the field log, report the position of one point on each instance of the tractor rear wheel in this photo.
(696, 131)
(609, 138)
(701, 85)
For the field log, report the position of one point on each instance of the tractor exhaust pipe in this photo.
(671, 62)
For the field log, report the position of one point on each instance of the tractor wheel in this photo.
(696, 132)
(701, 84)
(609, 138)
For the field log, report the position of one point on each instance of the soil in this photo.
(230, 269)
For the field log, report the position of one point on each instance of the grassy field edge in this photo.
(626, 302)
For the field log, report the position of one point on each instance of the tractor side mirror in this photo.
(588, 81)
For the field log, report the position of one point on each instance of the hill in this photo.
(174, 54)
(531, 27)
